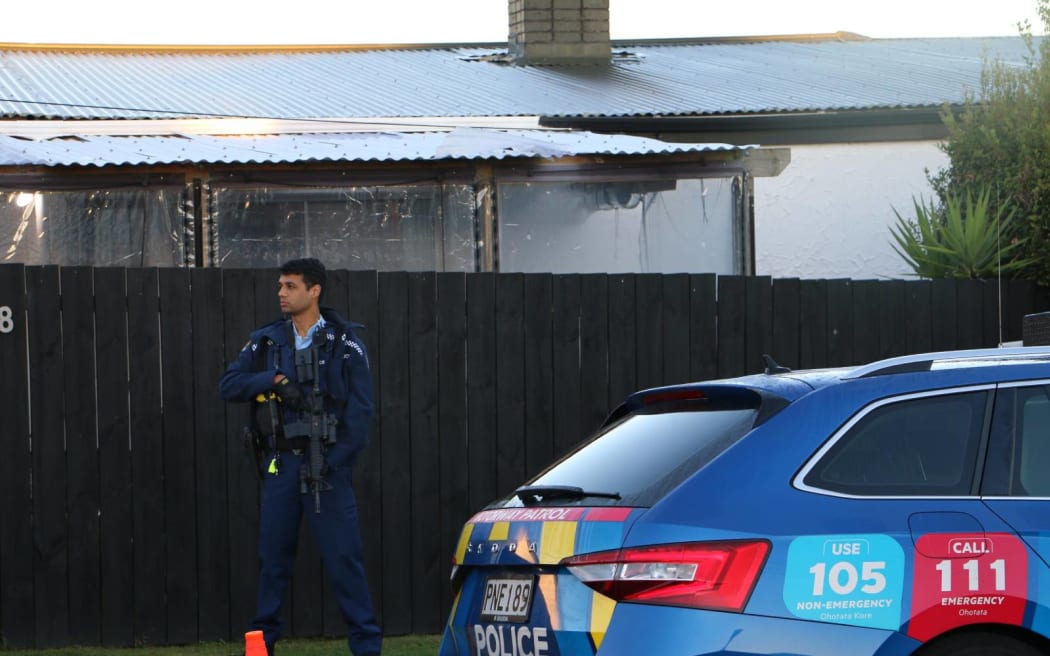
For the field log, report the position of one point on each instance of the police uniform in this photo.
(345, 381)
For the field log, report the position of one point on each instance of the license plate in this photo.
(507, 599)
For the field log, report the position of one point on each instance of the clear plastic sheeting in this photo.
(641, 226)
(427, 227)
(127, 228)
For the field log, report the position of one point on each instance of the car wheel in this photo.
(979, 644)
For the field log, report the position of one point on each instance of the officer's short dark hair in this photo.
(310, 268)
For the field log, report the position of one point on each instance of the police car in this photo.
(901, 507)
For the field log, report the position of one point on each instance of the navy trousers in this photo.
(339, 539)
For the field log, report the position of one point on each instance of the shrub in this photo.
(964, 238)
(1001, 137)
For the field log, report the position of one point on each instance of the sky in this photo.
(266, 22)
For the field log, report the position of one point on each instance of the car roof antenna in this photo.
(772, 367)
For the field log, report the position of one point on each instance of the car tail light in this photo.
(710, 575)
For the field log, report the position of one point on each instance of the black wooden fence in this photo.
(128, 509)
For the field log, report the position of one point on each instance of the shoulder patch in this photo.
(349, 341)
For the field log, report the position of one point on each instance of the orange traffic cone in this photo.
(254, 645)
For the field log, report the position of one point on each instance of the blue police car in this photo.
(901, 507)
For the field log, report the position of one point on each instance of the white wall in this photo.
(827, 215)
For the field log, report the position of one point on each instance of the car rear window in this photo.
(644, 455)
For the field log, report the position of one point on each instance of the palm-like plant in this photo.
(963, 239)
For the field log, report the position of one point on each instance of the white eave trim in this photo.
(39, 130)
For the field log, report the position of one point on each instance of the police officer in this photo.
(312, 343)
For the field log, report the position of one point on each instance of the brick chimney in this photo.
(559, 32)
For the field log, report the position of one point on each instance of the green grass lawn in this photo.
(399, 646)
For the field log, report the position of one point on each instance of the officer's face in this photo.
(294, 295)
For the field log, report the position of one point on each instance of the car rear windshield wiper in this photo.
(535, 492)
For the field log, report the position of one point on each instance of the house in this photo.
(560, 150)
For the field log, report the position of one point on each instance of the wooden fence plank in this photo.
(943, 319)
(17, 594)
(649, 337)
(991, 324)
(813, 350)
(759, 322)
(892, 328)
(242, 487)
(732, 326)
(452, 420)
(969, 314)
(867, 339)
(594, 352)
(1020, 300)
(787, 310)
(840, 323)
(428, 568)
(703, 333)
(1040, 300)
(623, 368)
(111, 353)
(565, 365)
(213, 566)
(266, 306)
(51, 566)
(147, 455)
(538, 353)
(78, 341)
(510, 382)
(336, 293)
(481, 389)
(180, 497)
(917, 316)
(676, 326)
(395, 431)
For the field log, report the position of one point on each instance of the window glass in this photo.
(141, 227)
(1019, 451)
(643, 456)
(643, 226)
(385, 228)
(918, 447)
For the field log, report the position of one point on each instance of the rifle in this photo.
(319, 428)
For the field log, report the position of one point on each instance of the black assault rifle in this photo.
(313, 422)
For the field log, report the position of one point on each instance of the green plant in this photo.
(1000, 136)
(964, 238)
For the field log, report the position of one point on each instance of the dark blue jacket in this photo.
(345, 379)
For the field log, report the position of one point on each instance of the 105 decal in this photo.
(846, 579)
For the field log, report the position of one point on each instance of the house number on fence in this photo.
(7, 323)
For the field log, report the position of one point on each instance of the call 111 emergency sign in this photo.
(964, 578)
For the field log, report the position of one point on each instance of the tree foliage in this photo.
(1000, 140)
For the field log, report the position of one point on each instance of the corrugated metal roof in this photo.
(461, 143)
(643, 79)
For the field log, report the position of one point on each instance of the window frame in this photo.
(811, 463)
(1013, 385)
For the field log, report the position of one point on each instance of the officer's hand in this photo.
(289, 393)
